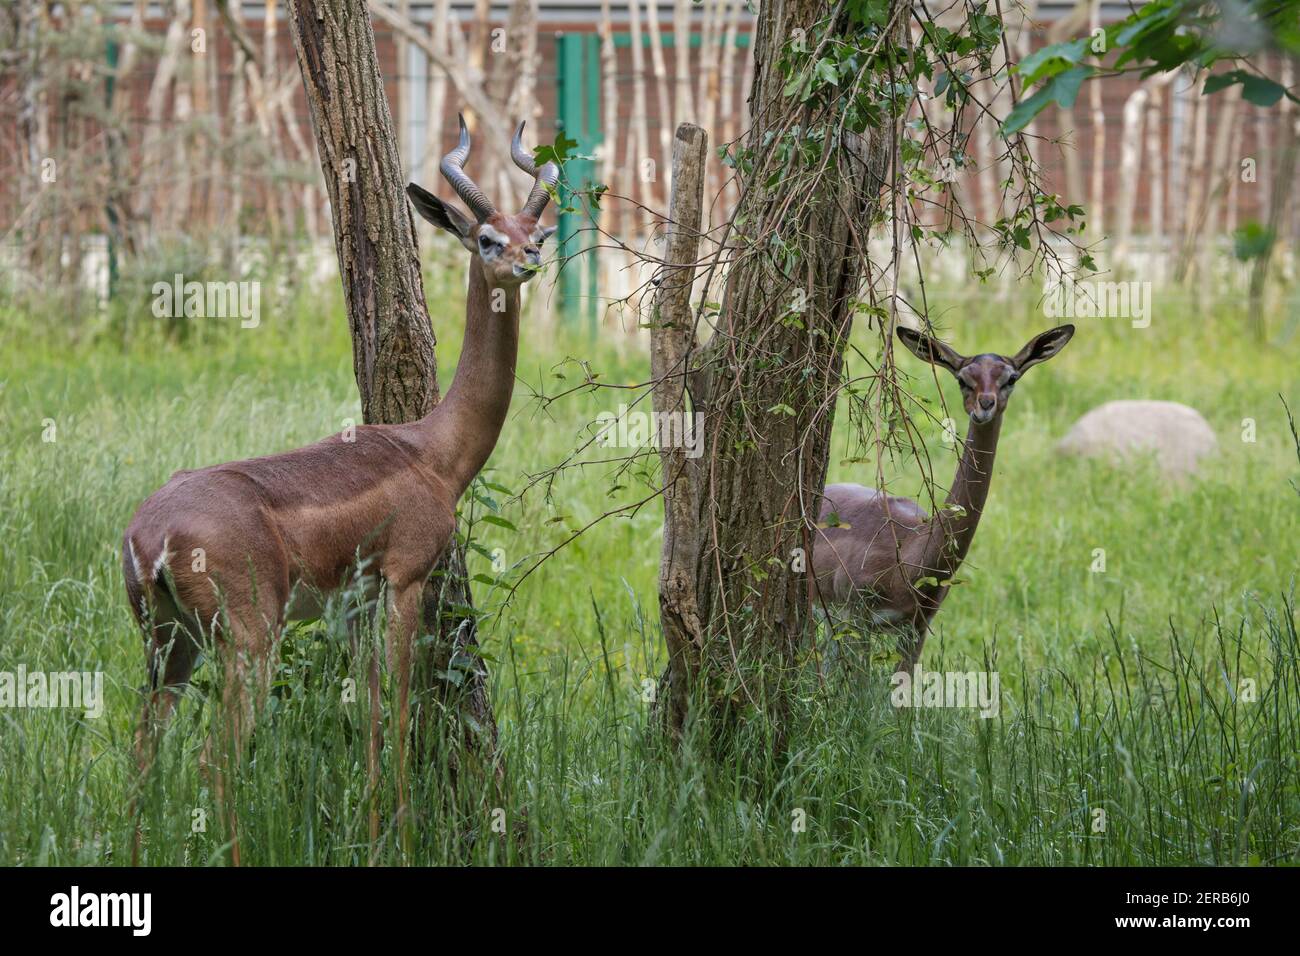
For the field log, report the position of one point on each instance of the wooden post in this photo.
(672, 340)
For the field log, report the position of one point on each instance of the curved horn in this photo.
(452, 167)
(549, 175)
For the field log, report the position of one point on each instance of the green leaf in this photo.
(1218, 82)
(499, 521)
(1062, 89)
(1255, 89)
(833, 521)
(558, 152)
(794, 85)
(1251, 241)
(1260, 90)
(933, 582)
(1052, 60)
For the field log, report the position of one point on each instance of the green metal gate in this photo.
(578, 108)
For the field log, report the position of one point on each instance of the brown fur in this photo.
(872, 549)
(278, 533)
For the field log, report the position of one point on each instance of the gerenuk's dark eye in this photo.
(486, 245)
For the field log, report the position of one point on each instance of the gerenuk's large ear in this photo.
(441, 214)
(1043, 346)
(929, 349)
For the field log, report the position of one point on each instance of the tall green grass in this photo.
(1161, 693)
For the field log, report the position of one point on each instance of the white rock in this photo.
(1177, 435)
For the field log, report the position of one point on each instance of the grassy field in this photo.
(1130, 731)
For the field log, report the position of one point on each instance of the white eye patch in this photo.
(541, 233)
(491, 242)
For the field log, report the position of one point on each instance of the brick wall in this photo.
(1256, 138)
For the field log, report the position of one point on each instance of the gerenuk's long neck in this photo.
(463, 429)
(955, 529)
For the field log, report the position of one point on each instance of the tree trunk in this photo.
(1194, 184)
(392, 339)
(150, 207)
(671, 343)
(1140, 108)
(1156, 166)
(1130, 163)
(117, 204)
(436, 97)
(736, 609)
(1223, 171)
(730, 129)
(1097, 194)
(661, 92)
(637, 157)
(1289, 130)
(1060, 31)
(683, 102)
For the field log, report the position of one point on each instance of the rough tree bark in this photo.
(736, 602)
(672, 339)
(392, 338)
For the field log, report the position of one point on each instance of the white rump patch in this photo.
(163, 558)
(135, 561)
